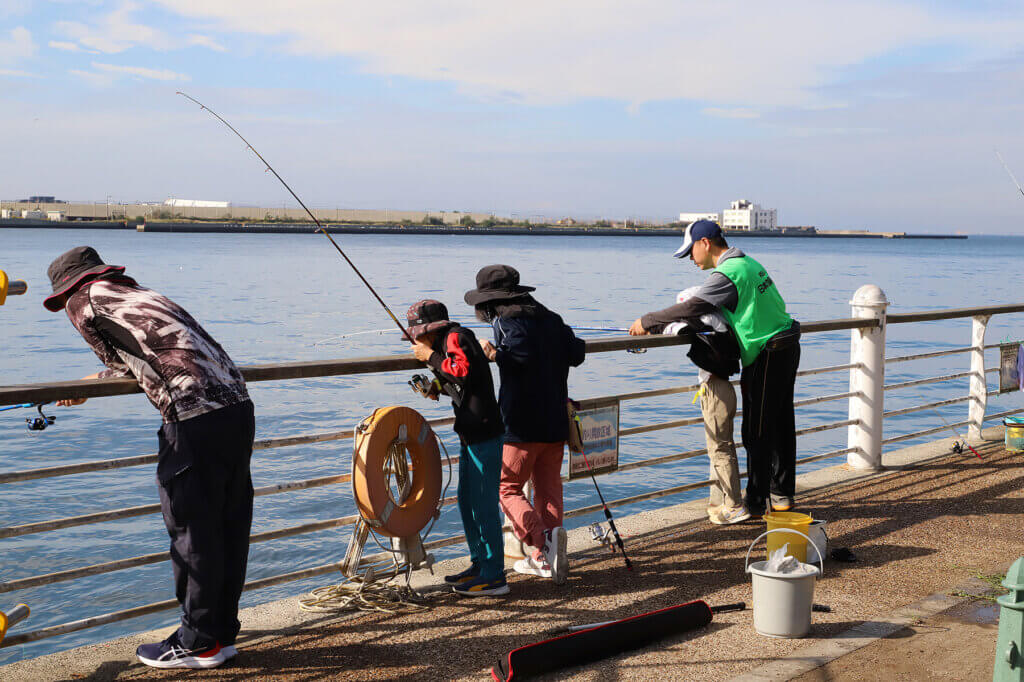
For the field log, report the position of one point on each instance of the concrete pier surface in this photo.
(924, 529)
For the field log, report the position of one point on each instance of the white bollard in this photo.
(979, 385)
(867, 381)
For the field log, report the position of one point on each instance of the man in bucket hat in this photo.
(534, 350)
(457, 359)
(205, 443)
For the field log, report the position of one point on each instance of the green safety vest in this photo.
(760, 312)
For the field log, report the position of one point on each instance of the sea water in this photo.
(271, 298)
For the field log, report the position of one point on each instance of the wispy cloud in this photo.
(99, 80)
(141, 72)
(14, 73)
(115, 32)
(740, 113)
(17, 45)
(741, 54)
(69, 47)
(206, 41)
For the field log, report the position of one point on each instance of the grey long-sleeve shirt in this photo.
(717, 292)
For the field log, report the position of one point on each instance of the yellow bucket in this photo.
(793, 521)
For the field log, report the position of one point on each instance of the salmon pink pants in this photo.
(540, 463)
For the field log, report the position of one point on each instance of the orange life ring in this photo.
(374, 436)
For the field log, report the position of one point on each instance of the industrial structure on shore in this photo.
(741, 215)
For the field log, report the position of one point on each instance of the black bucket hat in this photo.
(496, 282)
(427, 316)
(71, 270)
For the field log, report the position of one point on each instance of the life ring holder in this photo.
(386, 428)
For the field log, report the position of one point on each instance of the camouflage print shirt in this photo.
(138, 332)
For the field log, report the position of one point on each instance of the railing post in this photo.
(867, 380)
(979, 385)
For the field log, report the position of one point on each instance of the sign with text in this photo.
(600, 426)
(1009, 371)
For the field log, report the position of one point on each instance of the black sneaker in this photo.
(481, 587)
(472, 572)
(170, 654)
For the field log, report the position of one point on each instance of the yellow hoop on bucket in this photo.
(801, 523)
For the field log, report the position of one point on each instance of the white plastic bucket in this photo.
(818, 534)
(782, 602)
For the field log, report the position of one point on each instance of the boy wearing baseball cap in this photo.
(454, 354)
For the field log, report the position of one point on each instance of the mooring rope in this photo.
(367, 592)
(372, 591)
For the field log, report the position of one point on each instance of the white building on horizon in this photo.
(746, 215)
(694, 217)
(196, 203)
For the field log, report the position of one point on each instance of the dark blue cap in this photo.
(695, 232)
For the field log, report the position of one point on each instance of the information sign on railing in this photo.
(600, 427)
(1009, 367)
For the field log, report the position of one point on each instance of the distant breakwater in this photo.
(306, 228)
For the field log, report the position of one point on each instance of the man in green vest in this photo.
(769, 339)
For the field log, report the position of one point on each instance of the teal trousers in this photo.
(479, 473)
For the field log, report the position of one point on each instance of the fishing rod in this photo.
(957, 433)
(604, 505)
(1009, 171)
(449, 389)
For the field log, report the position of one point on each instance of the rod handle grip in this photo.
(16, 287)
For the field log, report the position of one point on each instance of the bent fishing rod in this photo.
(449, 389)
(604, 505)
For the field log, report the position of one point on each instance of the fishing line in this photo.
(471, 325)
(1009, 172)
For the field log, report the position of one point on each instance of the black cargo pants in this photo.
(206, 500)
(769, 425)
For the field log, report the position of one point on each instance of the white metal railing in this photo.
(865, 397)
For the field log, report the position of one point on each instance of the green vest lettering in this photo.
(760, 312)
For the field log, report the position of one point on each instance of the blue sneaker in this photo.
(472, 572)
(170, 654)
(482, 587)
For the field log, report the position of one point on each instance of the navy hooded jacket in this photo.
(535, 350)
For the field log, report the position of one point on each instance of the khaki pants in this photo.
(718, 405)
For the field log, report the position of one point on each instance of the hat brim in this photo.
(475, 297)
(684, 250)
(59, 298)
(421, 329)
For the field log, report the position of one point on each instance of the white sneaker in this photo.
(554, 549)
(726, 516)
(531, 565)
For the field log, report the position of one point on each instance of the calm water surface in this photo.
(269, 298)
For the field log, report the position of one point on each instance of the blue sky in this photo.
(869, 115)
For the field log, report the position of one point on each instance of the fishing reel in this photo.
(42, 421)
(426, 387)
(601, 535)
